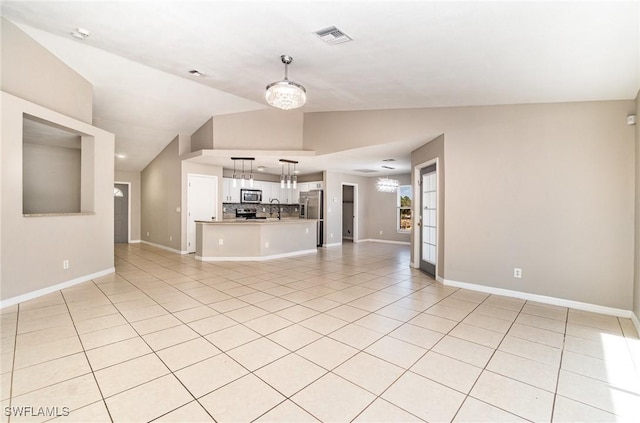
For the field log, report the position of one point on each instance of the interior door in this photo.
(429, 219)
(121, 213)
(202, 204)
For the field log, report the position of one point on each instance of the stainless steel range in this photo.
(248, 214)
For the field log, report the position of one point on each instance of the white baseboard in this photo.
(135, 241)
(542, 299)
(57, 287)
(440, 279)
(260, 258)
(384, 241)
(335, 244)
(164, 247)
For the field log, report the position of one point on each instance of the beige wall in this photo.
(51, 179)
(134, 194)
(268, 129)
(161, 197)
(85, 240)
(429, 153)
(548, 188)
(31, 72)
(636, 284)
(202, 139)
(381, 212)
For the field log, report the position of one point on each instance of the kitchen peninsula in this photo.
(254, 239)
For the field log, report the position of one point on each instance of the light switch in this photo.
(177, 209)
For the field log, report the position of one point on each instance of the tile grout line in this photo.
(564, 339)
(484, 368)
(84, 352)
(13, 360)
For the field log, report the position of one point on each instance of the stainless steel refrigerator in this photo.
(312, 207)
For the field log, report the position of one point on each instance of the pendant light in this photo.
(234, 173)
(243, 176)
(295, 177)
(288, 180)
(286, 94)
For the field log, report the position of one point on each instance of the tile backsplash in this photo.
(262, 210)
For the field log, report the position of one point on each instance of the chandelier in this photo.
(285, 94)
(387, 185)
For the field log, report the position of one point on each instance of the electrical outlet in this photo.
(221, 241)
(306, 230)
(170, 238)
(331, 236)
(266, 244)
(147, 233)
(380, 232)
(65, 264)
(517, 272)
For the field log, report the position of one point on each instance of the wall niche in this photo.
(57, 168)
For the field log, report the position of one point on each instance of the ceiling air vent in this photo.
(388, 167)
(365, 170)
(333, 35)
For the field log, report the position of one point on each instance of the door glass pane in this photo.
(429, 217)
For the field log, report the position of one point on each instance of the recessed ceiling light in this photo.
(80, 33)
(261, 168)
(121, 156)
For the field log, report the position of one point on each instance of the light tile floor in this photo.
(350, 334)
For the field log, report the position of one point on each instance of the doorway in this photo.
(121, 212)
(429, 219)
(349, 212)
(202, 204)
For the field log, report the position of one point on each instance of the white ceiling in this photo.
(405, 54)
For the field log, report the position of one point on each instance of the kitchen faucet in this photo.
(271, 207)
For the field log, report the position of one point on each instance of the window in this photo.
(405, 197)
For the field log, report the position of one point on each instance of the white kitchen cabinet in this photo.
(308, 186)
(288, 195)
(229, 193)
(270, 190)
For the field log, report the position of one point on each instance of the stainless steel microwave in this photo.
(251, 196)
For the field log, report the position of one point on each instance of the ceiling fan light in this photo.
(286, 95)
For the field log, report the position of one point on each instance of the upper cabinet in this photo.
(229, 193)
(308, 186)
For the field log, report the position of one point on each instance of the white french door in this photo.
(429, 219)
